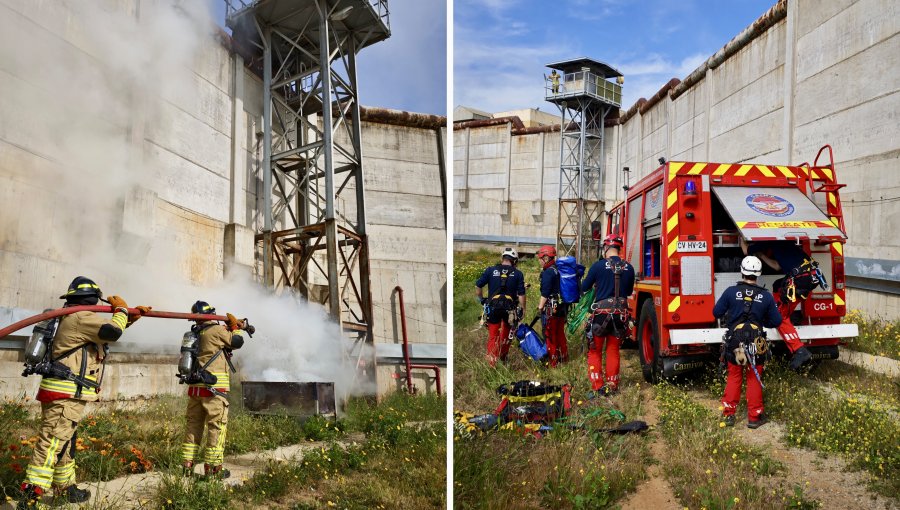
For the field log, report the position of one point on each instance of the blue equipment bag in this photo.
(530, 342)
(570, 273)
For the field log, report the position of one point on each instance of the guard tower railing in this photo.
(379, 6)
(584, 83)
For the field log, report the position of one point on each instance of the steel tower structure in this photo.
(313, 239)
(585, 97)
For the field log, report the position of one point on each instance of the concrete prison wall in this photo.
(810, 74)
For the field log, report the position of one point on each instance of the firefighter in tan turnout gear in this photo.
(209, 380)
(72, 373)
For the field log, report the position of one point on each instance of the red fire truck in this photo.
(682, 225)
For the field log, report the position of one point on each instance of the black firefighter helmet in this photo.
(202, 307)
(82, 287)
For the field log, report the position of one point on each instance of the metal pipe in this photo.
(12, 328)
(437, 374)
(406, 360)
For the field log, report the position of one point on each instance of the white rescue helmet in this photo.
(510, 253)
(751, 266)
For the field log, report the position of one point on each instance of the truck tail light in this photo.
(674, 277)
(837, 271)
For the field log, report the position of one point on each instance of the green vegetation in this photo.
(877, 336)
(710, 466)
(397, 464)
(835, 409)
(578, 468)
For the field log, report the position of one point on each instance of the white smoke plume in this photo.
(103, 78)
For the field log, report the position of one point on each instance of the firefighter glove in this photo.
(141, 311)
(483, 300)
(520, 312)
(117, 302)
(233, 322)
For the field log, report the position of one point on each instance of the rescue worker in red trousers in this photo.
(208, 391)
(552, 308)
(610, 315)
(801, 277)
(749, 308)
(80, 344)
(505, 304)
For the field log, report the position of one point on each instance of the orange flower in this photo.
(103, 452)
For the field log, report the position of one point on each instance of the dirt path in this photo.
(655, 492)
(138, 491)
(828, 480)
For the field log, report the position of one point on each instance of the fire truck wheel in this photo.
(648, 343)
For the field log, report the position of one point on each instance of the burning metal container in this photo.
(302, 399)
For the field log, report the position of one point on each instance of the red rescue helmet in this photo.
(546, 251)
(613, 241)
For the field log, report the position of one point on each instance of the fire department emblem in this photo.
(770, 205)
(655, 195)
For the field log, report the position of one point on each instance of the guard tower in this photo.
(313, 240)
(585, 96)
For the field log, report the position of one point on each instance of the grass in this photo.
(711, 467)
(877, 336)
(397, 465)
(115, 442)
(857, 422)
(837, 408)
(567, 468)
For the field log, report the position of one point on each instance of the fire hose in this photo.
(24, 323)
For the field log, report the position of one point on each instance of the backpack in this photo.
(530, 342)
(570, 273)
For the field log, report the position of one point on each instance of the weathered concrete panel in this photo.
(849, 83)
(763, 55)
(851, 31)
(759, 98)
(748, 141)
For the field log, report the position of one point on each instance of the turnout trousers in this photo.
(554, 329)
(596, 373)
(211, 413)
(736, 376)
(498, 341)
(52, 461)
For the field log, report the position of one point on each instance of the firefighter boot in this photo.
(72, 494)
(801, 356)
(759, 422)
(216, 472)
(729, 420)
(31, 497)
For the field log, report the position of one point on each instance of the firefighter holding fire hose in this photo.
(505, 305)
(749, 309)
(72, 372)
(205, 364)
(801, 277)
(613, 281)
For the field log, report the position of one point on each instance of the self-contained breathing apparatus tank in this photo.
(188, 353)
(41, 336)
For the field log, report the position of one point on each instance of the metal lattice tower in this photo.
(313, 238)
(585, 97)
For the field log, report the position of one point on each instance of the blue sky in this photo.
(409, 70)
(501, 46)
